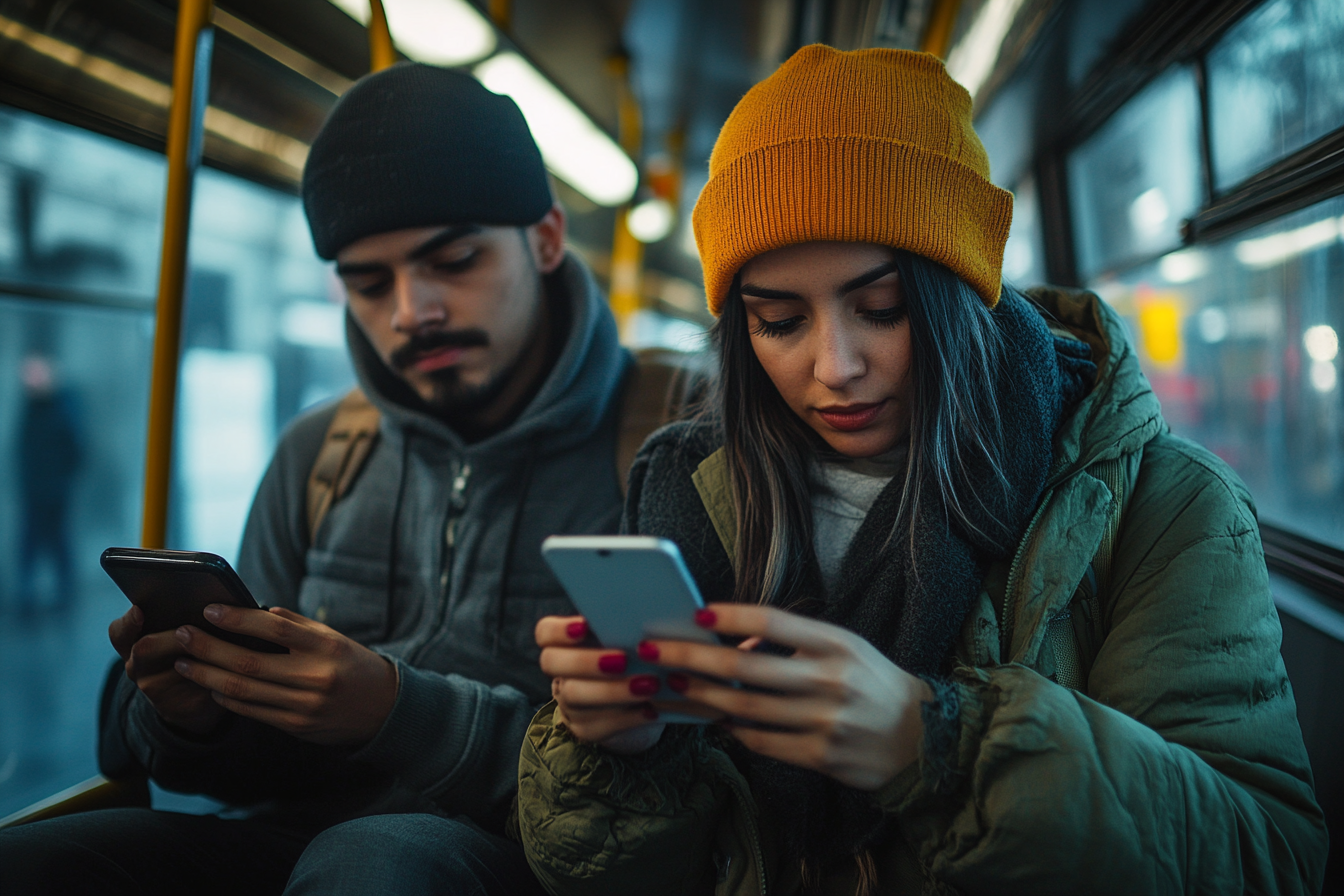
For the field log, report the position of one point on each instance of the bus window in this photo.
(1240, 340)
(1276, 83)
(1135, 180)
(263, 337)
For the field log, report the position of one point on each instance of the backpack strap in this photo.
(660, 387)
(1076, 632)
(350, 438)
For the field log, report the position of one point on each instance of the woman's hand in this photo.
(600, 703)
(841, 707)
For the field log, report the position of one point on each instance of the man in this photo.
(493, 363)
(48, 455)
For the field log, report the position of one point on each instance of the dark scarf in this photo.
(915, 618)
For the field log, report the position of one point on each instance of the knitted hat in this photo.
(419, 146)
(871, 146)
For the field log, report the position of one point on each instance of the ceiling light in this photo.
(1183, 266)
(575, 149)
(651, 220)
(1322, 342)
(972, 60)
(1149, 212)
(1267, 251)
(440, 32)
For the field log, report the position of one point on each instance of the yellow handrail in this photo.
(627, 253)
(938, 33)
(382, 52)
(191, 79)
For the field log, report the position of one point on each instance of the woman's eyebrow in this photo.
(763, 292)
(876, 273)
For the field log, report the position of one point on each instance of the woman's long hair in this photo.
(955, 426)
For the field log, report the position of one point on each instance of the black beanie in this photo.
(418, 146)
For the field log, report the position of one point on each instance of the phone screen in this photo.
(172, 588)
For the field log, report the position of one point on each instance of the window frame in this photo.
(1164, 35)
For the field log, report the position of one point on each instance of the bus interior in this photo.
(1183, 159)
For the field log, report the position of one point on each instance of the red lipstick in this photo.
(851, 417)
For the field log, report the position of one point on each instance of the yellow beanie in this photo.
(870, 146)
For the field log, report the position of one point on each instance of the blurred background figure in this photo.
(48, 457)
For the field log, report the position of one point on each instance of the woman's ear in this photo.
(546, 240)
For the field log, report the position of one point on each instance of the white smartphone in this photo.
(630, 588)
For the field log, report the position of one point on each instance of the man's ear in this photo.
(546, 240)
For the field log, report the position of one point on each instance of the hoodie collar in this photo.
(570, 404)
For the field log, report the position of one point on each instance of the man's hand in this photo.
(328, 689)
(149, 663)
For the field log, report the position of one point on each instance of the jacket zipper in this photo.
(457, 503)
(1011, 585)
(755, 837)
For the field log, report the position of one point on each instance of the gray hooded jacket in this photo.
(461, 524)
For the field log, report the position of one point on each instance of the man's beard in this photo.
(451, 397)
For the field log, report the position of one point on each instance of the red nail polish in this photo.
(706, 618)
(678, 682)
(612, 663)
(644, 685)
(650, 713)
(577, 630)
(648, 651)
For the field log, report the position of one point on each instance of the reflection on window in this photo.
(1023, 261)
(1276, 83)
(77, 210)
(1241, 342)
(1133, 182)
(74, 391)
(263, 337)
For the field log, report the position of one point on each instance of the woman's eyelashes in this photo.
(776, 327)
(886, 318)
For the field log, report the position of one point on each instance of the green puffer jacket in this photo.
(1177, 766)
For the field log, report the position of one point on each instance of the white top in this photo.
(843, 491)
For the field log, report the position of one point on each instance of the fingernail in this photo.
(213, 612)
(644, 685)
(182, 634)
(612, 663)
(648, 651)
(678, 682)
(577, 630)
(650, 713)
(137, 615)
(706, 618)
(182, 666)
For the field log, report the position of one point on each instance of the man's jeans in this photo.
(117, 851)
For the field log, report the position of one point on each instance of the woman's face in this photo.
(828, 323)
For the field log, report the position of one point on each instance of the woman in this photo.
(921, 504)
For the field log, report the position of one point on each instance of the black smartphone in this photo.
(172, 588)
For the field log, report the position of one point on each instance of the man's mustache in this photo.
(421, 344)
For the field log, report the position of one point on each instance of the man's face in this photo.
(455, 310)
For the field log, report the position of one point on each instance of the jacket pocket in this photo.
(347, 593)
